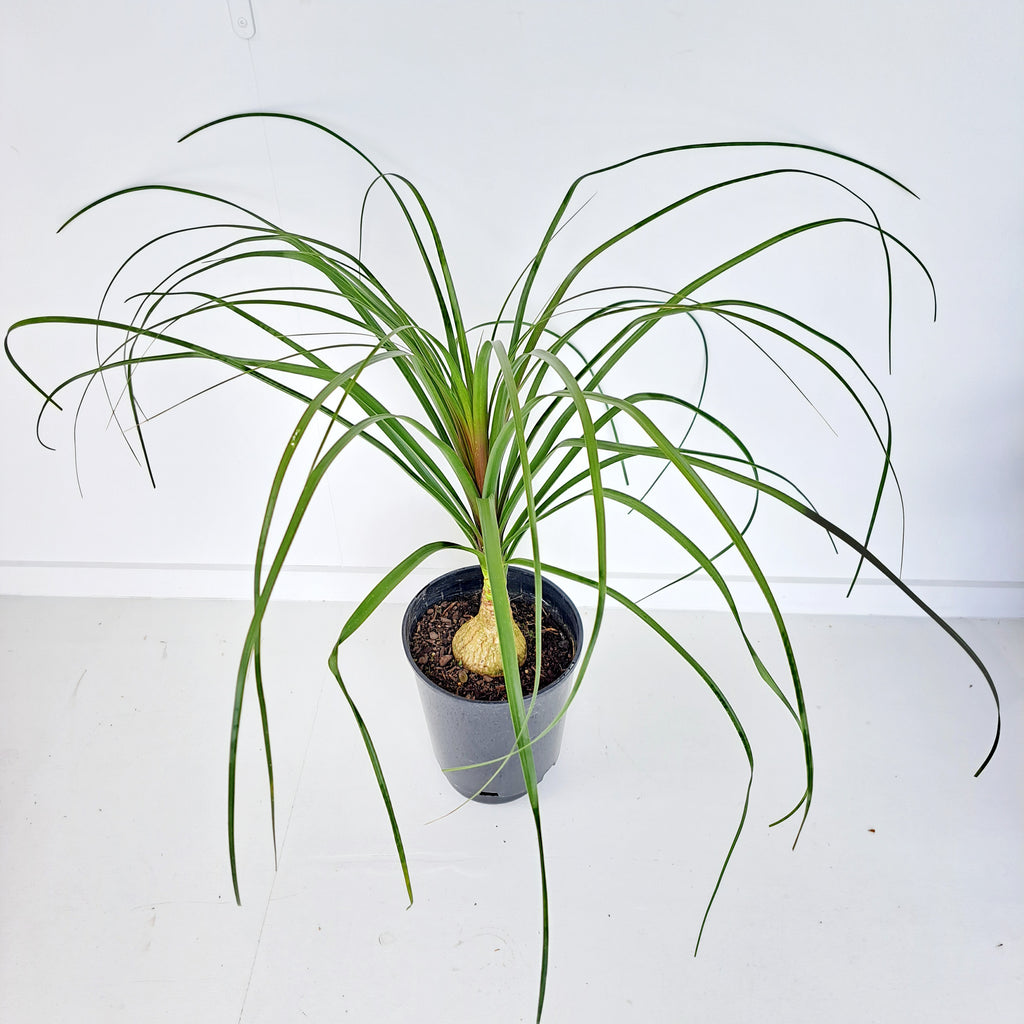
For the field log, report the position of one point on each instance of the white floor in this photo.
(903, 902)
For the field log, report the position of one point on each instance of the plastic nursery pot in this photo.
(468, 732)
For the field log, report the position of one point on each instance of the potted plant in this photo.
(505, 424)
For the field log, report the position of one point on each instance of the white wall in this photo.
(493, 109)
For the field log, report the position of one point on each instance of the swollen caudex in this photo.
(476, 644)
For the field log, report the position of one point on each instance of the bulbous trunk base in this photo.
(476, 645)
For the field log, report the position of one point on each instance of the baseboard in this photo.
(871, 596)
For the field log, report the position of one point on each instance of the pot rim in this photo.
(573, 623)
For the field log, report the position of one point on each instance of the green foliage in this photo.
(513, 421)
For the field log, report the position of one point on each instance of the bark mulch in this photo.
(431, 647)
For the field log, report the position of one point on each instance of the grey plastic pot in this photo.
(467, 732)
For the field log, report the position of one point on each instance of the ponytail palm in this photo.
(504, 424)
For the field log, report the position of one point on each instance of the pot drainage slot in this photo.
(483, 792)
